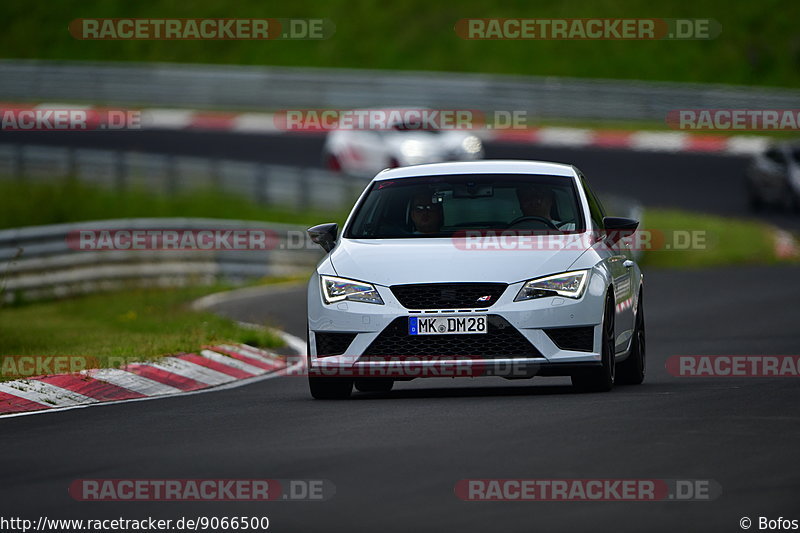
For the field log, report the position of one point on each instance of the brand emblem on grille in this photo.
(484, 298)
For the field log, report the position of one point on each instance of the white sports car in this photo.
(505, 268)
(364, 152)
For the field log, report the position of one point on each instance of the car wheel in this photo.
(754, 200)
(756, 203)
(327, 388)
(601, 379)
(632, 370)
(374, 384)
(795, 201)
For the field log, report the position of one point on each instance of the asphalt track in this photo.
(706, 182)
(395, 458)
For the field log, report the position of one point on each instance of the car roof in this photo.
(479, 167)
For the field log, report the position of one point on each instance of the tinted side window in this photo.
(596, 210)
(775, 156)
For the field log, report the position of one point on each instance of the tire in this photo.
(754, 201)
(374, 384)
(632, 370)
(327, 388)
(601, 379)
(795, 201)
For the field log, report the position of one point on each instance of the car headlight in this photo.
(339, 289)
(412, 148)
(569, 284)
(471, 144)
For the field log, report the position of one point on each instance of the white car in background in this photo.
(401, 287)
(364, 152)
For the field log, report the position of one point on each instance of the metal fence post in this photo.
(120, 170)
(261, 180)
(171, 175)
(216, 174)
(19, 162)
(303, 191)
(72, 163)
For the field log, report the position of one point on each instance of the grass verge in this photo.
(698, 240)
(25, 203)
(758, 44)
(127, 325)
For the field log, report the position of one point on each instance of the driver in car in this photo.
(426, 214)
(537, 201)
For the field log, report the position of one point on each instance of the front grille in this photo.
(332, 343)
(448, 295)
(580, 339)
(501, 340)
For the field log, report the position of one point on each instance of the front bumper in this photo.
(534, 320)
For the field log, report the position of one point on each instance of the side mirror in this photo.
(324, 235)
(618, 228)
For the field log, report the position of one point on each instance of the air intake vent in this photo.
(579, 339)
(448, 295)
(332, 343)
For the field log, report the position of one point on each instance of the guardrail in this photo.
(287, 186)
(270, 88)
(38, 261)
(44, 262)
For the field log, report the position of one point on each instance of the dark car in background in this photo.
(773, 178)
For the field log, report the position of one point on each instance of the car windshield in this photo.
(413, 126)
(442, 206)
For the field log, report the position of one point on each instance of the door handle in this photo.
(628, 263)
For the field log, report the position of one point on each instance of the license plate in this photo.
(446, 325)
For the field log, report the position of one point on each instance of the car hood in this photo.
(423, 260)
